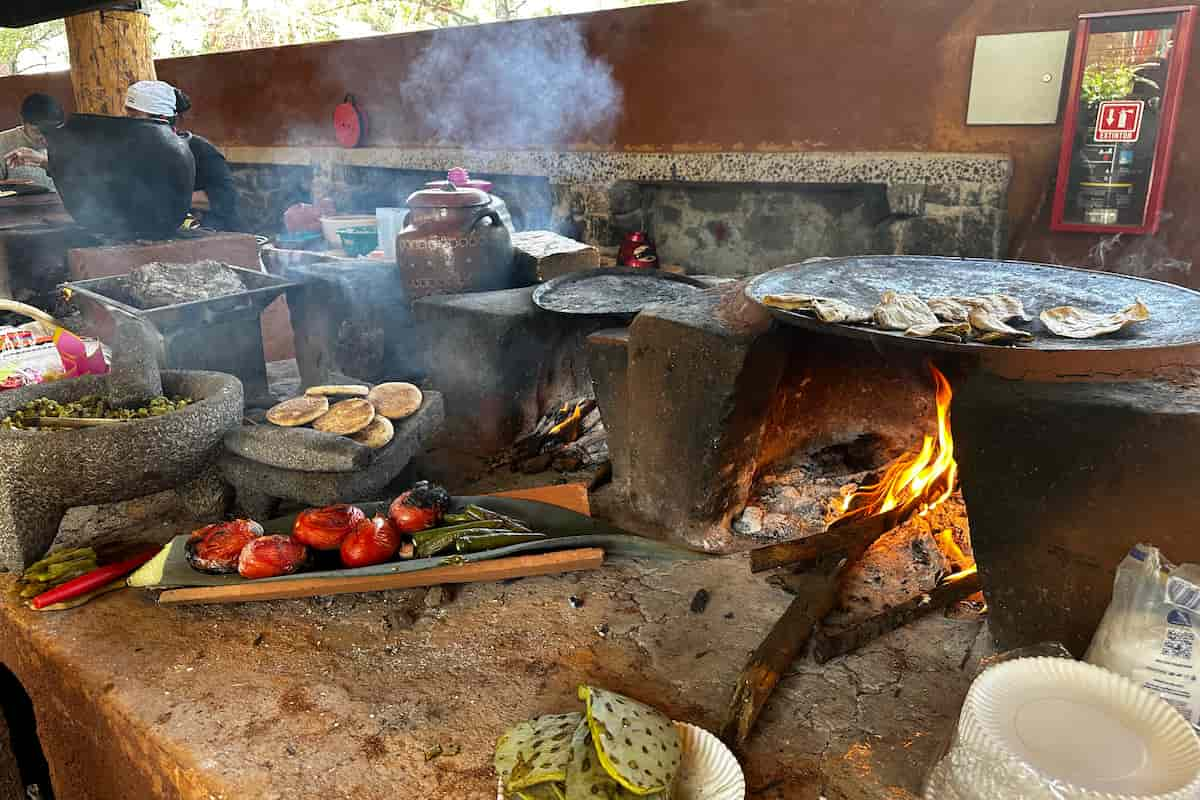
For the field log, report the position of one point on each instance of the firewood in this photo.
(815, 598)
(829, 644)
(845, 533)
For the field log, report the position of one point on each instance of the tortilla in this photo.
(376, 435)
(346, 417)
(1079, 323)
(396, 400)
(337, 391)
(298, 411)
(987, 327)
(827, 309)
(899, 312)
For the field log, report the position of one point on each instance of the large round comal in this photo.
(122, 176)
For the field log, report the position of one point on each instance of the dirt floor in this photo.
(350, 697)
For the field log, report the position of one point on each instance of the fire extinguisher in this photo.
(349, 123)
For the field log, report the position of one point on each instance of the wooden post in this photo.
(109, 51)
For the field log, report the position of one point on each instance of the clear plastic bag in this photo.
(1148, 633)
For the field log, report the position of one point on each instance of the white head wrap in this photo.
(152, 97)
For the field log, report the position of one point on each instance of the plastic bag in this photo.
(38, 352)
(1148, 633)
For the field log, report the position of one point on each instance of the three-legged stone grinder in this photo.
(44, 473)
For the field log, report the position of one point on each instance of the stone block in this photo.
(980, 236)
(608, 364)
(624, 197)
(907, 199)
(500, 361)
(943, 194)
(237, 249)
(344, 316)
(543, 255)
(701, 375)
(33, 261)
(259, 480)
(931, 236)
(298, 449)
(1061, 479)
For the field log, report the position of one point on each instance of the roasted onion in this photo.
(215, 548)
(326, 528)
(272, 556)
(373, 541)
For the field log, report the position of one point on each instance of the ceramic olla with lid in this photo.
(460, 178)
(453, 241)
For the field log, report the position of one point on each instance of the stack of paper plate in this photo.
(1058, 729)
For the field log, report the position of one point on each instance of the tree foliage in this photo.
(194, 27)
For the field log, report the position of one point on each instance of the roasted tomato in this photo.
(272, 556)
(374, 541)
(419, 508)
(215, 548)
(325, 528)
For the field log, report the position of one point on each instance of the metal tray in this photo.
(613, 291)
(1175, 310)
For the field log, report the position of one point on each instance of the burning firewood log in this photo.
(829, 644)
(569, 438)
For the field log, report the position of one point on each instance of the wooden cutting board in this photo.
(481, 572)
(570, 496)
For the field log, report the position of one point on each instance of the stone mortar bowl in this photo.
(45, 473)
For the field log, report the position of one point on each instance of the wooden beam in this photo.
(109, 51)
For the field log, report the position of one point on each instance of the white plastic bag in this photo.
(1149, 631)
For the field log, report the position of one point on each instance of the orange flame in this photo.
(927, 476)
(573, 417)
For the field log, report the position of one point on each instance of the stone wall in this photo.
(716, 213)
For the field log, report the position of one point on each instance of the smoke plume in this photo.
(528, 85)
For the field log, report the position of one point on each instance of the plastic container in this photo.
(331, 225)
(391, 222)
(359, 240)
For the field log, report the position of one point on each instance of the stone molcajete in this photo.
(45, 473)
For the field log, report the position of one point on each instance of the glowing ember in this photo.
(922, 480)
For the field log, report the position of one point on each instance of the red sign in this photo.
(1119, 121)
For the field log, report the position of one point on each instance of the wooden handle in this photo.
(479, 572)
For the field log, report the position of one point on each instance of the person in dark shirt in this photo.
(214, 180)
(214, 197)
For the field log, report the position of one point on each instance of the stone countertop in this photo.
(344, 697)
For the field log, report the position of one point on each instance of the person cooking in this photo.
(24, 147)
(214, 199)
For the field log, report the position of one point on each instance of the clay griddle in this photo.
(1175, 311)
(613, 291)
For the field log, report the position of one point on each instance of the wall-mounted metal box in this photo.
(1017, 78)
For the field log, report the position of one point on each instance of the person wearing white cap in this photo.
(151, 99)
(214, 196)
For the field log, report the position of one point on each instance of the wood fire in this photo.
(917, 482)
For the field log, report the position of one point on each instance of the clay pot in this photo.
(120, 176)
(454, 242)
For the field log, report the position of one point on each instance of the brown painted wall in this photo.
(712, 75)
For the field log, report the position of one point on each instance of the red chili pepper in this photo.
(101, 576)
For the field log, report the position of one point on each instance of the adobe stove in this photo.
(734, 432)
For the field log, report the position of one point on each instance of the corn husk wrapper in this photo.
(1078, 323)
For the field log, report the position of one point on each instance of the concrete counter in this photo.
(347, 697)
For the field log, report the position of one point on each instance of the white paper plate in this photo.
(707, 770)
(1085, 731)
